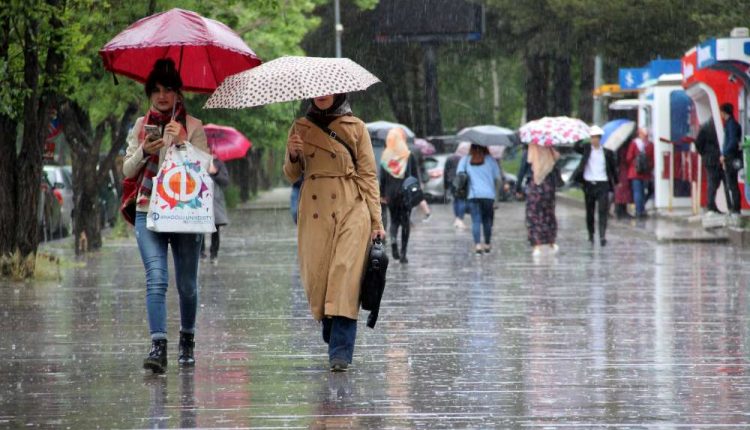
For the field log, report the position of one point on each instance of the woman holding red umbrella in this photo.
(144, 155)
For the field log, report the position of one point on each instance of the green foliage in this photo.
(232, 196)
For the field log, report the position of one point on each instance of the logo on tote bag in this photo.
(180, 185)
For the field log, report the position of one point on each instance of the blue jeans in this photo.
(459, 208)
(186, 254)
(639, 198)
(340, 333)
(482, 215)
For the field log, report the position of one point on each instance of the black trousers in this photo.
(714, 177)
(400, 215)
(596, 194)
(214, 250)
(732, 185)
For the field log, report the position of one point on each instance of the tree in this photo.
(34, 48)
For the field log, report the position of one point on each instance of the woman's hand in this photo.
(174, 129)
(377, 234)
(294, 146)
(151, 147)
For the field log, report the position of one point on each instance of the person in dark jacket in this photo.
(396, 164)
(731, 156)
(707, 145)
(220, 175)
(523, 172)
(597, 174)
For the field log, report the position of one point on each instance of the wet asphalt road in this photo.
(638, 335)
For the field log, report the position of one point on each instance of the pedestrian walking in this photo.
(731, 156)
(460, 205)
(540, 198)
(640, 159)
(707, 145)
(397, 164)
(484, 174)
(597, 175)
(623, 192)
(220, 175)
(339, 214)
(143, 157)
(423, 177)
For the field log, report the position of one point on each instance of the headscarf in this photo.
(340, 107)
(542, 160)
(396, 154)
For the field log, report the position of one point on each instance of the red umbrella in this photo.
(204, 50)
(227, 143)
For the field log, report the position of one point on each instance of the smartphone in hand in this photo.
(153, 132)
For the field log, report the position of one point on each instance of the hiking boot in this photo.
(339, 365)
(187, 345)
(157, 357)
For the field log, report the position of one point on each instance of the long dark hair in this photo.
(477, 154)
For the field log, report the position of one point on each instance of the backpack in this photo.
(411, 192)
(641, 163)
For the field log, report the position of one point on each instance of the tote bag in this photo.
(182, 198)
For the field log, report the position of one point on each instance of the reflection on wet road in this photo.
(638, 334)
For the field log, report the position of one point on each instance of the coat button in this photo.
(312, 177)
(333, 196)
(315, 216)
(333, 155)
(314, 197)
(333, 215)
(312, 155)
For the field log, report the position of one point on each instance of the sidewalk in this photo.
(273, 199)
(675, 226)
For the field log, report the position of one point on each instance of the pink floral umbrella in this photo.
(554, 131)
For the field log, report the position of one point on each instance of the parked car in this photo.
(49, 212)
(62, 187)
(434, 188)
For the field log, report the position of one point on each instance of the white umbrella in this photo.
(288, 79)
(489, 135)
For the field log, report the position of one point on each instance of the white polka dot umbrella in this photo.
(554, 131)
(288, 79)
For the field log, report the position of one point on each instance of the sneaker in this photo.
(459, 224)
(603, 242)
(427, 217)
(214, 261)
(555, 248)
(204, 255)
(339, 365)
(487, 248)
(478, 250)
(537, 252)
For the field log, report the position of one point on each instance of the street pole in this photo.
(598, 81)
(339, 28)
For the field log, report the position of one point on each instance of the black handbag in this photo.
(373, 281)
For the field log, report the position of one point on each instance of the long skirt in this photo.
(540, 212)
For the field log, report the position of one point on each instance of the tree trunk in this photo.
(561, 86)
(8, 133)
(586, 86)
(537, 79)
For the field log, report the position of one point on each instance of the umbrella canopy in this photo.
(204, 50)
(425, 147)
(463, 148)
(554, 131)
(226, 143)
(291, 78)
(616, 133)
(488, 135)
(380, 129)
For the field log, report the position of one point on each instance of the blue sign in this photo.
(706, 54)
(632, 79)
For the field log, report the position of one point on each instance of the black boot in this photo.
(403, 260)
(157, 357)
(187, 344)
(394, 249)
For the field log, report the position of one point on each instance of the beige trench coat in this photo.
(339, 207)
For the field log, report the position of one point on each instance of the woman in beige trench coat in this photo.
(339, 213)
